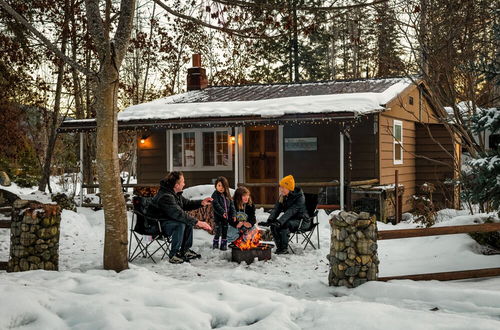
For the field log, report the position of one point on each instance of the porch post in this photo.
(236, 156)
(81, 169)
(341, 156)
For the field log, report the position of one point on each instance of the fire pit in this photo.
(248, 247)
(261, 252)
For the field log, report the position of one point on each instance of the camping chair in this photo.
(146, 231)
(307, 233)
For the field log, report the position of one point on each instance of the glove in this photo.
(275, 224)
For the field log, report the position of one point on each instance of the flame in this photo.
(248, 240)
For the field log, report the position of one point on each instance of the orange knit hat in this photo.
(288, 182)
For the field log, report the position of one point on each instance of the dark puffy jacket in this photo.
(170, 206)
(249, 211)
(293, 206)
(218, 207)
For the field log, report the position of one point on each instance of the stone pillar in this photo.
(353, 251)
(34, 238)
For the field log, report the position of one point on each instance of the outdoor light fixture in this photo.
(232, 138)
(144, 138)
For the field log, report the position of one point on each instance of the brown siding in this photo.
(151, 157)
(416, 142)
(194, 178)
(401, 109)
(323, 164)
(407, 172)
(428, 146)
(152, 163)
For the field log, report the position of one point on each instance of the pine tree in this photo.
(388, 49)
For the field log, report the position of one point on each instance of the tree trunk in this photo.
(108, 171)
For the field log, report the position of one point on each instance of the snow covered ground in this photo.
(288, 292)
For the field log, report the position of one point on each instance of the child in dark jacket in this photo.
(245, 214)
(223, 212)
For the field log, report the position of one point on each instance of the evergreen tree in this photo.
(482, 184)
(388, 50)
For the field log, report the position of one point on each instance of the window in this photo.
(201, 149)
(410, 100)
(398, 141)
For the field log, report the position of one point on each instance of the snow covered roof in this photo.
(269, 101)
(263, 102)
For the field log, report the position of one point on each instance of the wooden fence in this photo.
(450, 230)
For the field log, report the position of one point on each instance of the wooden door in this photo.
(261, 162)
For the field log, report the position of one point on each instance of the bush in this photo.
(424, 210)
(488, 239)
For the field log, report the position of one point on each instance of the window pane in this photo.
(270, 140)
(397, 132)
(189, 149)
(398, 152)
(177, 149)
(208, 149)
(222, 148)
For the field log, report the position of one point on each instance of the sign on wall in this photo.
(301, 144)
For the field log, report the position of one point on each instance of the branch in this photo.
(96, 27)
(123, 31)
(300, 8)
(53, 48)
(239, 33)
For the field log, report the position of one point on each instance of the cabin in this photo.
(350, 135)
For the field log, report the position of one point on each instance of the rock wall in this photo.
(353, 252)
(34, 236)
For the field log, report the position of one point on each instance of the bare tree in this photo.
(111, 51)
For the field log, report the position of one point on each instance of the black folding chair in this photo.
(307, 233)
(145, 232)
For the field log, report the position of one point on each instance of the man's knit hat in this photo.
(288, 182)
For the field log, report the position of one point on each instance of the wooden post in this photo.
(348, 201)
(396, 197)
(341, 156)
(236, 157)
(81, 169)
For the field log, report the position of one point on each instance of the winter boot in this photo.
(223, 244)
(215, 243)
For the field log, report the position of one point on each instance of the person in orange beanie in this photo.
(293, 205)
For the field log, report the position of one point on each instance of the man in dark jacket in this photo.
(170, 207)
(293, 205)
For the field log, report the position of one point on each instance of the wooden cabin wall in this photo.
(323, 165)
(152, 163)
(407, 171)
(436, 143)
(152, 157)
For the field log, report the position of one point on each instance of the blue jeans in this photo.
(181, 235)
(233, 233)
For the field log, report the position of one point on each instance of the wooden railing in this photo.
(450, 230)
(334, 183)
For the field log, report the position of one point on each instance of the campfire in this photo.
(248, 247)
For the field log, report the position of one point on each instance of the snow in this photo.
(288, 292)
(359, 103)
(178, 106)
(201, 191)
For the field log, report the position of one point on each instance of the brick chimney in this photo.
(196, 77)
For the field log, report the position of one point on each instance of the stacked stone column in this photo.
(34, 236)
(353, 252)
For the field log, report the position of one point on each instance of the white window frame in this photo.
(397, 161)
(198, 136)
